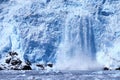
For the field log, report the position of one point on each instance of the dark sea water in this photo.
(59, 75)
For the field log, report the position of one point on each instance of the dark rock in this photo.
(117, 68)
(50, 65)
(26, 67)
(106, 68)
(16, 69)
(41, 66)
(1, 68)
(16, 62)
(8, 60)
(13, 53)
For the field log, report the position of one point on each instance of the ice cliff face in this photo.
(61, 31)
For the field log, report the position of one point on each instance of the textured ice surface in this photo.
(64, 32)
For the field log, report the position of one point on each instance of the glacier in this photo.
(71, 34)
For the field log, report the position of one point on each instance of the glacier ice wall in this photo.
(65, 32)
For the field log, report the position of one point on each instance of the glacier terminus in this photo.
(70, 34)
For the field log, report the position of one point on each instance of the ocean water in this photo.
(59, 75)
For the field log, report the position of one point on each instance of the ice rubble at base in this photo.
(42, 31)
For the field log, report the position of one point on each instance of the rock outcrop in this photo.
(13, 62)
(44, 66)
(117, 68)
(106, 68)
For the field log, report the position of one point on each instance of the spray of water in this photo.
(77, 48)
